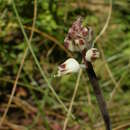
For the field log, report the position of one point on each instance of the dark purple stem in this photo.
(97, 91)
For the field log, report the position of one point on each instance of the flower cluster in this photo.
(78, 36)
(77, 39)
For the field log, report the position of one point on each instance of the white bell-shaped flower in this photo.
(69, 66)
(92, 54)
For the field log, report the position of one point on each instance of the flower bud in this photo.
(68, 43)
(92, 54)
(69, 66)
(78, 37)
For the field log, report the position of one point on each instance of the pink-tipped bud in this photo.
(92, 54)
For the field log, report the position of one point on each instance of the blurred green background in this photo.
(34, 106)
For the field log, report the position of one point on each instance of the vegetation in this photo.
(40, 101)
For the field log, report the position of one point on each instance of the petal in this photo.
(68, 44)
(71, 33)
(69, 66)
(81, 42)
(84, 32)
(72, 65)
(76, 41)
(63, 66)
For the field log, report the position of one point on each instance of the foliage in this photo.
(40, 109)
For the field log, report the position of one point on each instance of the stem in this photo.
(99, 95)
(21, 65)
(106, 24)
(72, 100)
(36, 60)
(97, 92)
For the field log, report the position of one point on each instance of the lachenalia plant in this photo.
(79, 39)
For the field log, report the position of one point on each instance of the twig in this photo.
(105, 26)
(72, 100)
(24, 105)
(22, 84)
(88, 92)
(89, 96)
(36, 60)
(122, 126)
(21, 65)
(13, 126)
(107, 66)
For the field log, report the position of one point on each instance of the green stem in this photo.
(35, 58)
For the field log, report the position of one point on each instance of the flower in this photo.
(77, 39)
(69, 66)
(78, 36)
(92, 54)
